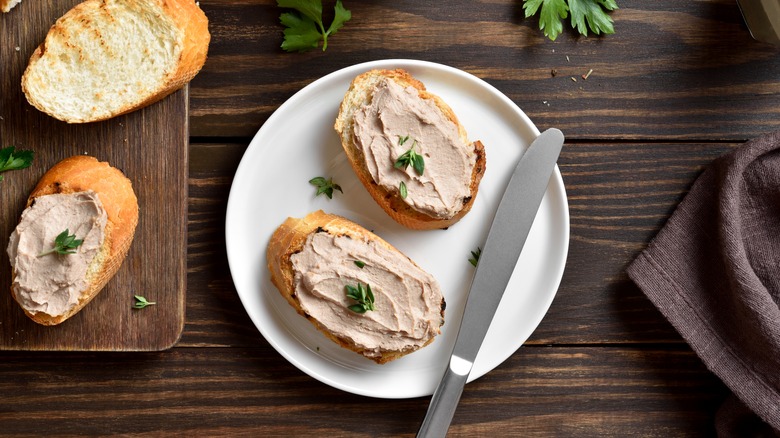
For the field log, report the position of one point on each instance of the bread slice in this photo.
(6, 5)
(361, 93)
(104, 58)
(289, 240)
(78, 174)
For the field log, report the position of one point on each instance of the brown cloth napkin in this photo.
(714, 272)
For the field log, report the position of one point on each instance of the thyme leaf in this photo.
(363, 296)
(325, 186)
(141, 302)
(474, 260)
(64, 243)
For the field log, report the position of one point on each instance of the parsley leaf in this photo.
(592, 11)
(585, 14)
(305, 29)
(550, 17)
(14, 161)
(325, 186)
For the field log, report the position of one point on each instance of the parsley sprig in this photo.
(14, 161)
(64, 243)
(304, 30)
(326, 186)
(363, 296)
(585, 14)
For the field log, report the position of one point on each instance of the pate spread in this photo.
(408, 301)
(53, 283)
(397, 112)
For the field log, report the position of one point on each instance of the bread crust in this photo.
(7, 5)
(359, 94)
(77, 174)
(187, 16)
(289, 239)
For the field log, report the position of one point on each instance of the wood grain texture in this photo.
(254, 392)
(672, 70)
(150, 147)
(620, 195)
(677, 85)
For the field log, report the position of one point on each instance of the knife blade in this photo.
(762, 18)
(511, 225)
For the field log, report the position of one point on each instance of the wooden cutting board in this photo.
(150, 147)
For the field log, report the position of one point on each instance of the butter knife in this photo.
(762, 18)
(505, 240)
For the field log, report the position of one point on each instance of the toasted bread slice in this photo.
(79, 174)
(104, 58)
(6, 5)
(360, 94)
(314, 284)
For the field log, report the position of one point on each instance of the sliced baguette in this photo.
(78, 174)
(104, 58)
(7, 5)
(360, 93)
(289, 239)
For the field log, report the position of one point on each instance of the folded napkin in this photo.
(714, 272)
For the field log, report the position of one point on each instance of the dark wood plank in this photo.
(255, 392)
(620, 195)
(215, 316)
(150, 147)
(678, 84)
(672, 70)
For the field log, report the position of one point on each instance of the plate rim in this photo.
(354, 69)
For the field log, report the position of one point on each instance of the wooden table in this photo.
(677, 85)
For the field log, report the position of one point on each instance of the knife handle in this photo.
(445, 399)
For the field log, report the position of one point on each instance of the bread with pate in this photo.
(315, 260)
(96, 204)
(409, 150)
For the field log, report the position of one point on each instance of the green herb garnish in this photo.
(363, 296)
(584, 14)
(360, 264)
(410, 157)
(402, 190)
(325, 186)
(304, 30)
(14, 161)
(475, 257)
(64, 243)
(141, 302)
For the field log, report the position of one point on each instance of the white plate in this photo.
(298, 142)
